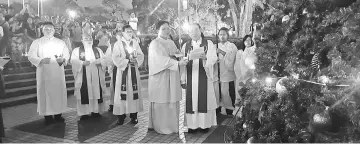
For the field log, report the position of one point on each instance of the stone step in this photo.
(18, 92)
(30, 98)
(29, 82)
(29, 86)
(13, 76)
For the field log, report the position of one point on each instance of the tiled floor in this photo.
(23, 125)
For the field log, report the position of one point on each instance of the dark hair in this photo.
(160, 23)
(243, 47)
(126, 27)
(48, 23)
(224, 29)
(199, 26)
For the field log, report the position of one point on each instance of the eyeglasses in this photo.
(48, 29)
(87, 39)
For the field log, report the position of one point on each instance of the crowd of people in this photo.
(19, 30)
(210, 73)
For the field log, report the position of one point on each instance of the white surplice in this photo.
(50, 78)
(119, 59)
(163, 87)
(242, 71)
(209, 119)
(227, 73)
(110, 66)
(95, 79)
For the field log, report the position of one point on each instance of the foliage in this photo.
(117, 8)
(314, 26)
(150, 12)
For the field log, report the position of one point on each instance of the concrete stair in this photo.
(20, 84)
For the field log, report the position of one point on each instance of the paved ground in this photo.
(23, 125)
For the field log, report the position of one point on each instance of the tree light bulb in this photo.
(296, 76)
(138, 33)
(324, 79)
(254, 80)
(268, 80)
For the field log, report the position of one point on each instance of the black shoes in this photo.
(59, 118)
(191, 131)
(95, 115)
(110, 108)
(84, 117)
(120, 121)
(52, 119)
(229, 112)
(134, 121)
(49, 120)
(206, 130)
(133, 117)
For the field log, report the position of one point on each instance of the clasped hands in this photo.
(59, 60)
(96, 62)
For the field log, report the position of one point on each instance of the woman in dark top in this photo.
(30, 33)
(16, 42)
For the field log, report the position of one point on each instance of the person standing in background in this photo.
(4, 42)
(77, 32)
(29, 28)
(104, 39)
(133, 21)
(226, 54)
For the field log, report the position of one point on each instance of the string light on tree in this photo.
(268, 80)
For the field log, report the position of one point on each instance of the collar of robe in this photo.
(48, 38)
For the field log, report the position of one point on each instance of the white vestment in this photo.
(50, 78)
(227, 74)
(95, 79)
(130, 105)
(163, 87)
(243, 72)
(209, 119)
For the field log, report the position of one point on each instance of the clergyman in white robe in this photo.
(200, 77)
(164, 87)
(90, 85)
(227, 76)
(128, 97)
(50, 78)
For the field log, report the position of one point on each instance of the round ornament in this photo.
(285, 18)
(280, 88)
(322, 120)
(251, 140)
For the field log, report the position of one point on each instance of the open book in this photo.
(4, 60)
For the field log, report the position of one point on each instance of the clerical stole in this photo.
(123, 93)
(84, 93)
(202, 81)
(115, 69)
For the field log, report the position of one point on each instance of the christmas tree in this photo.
(306, 84)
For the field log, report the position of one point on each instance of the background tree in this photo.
(117, 8)
(304, 41)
